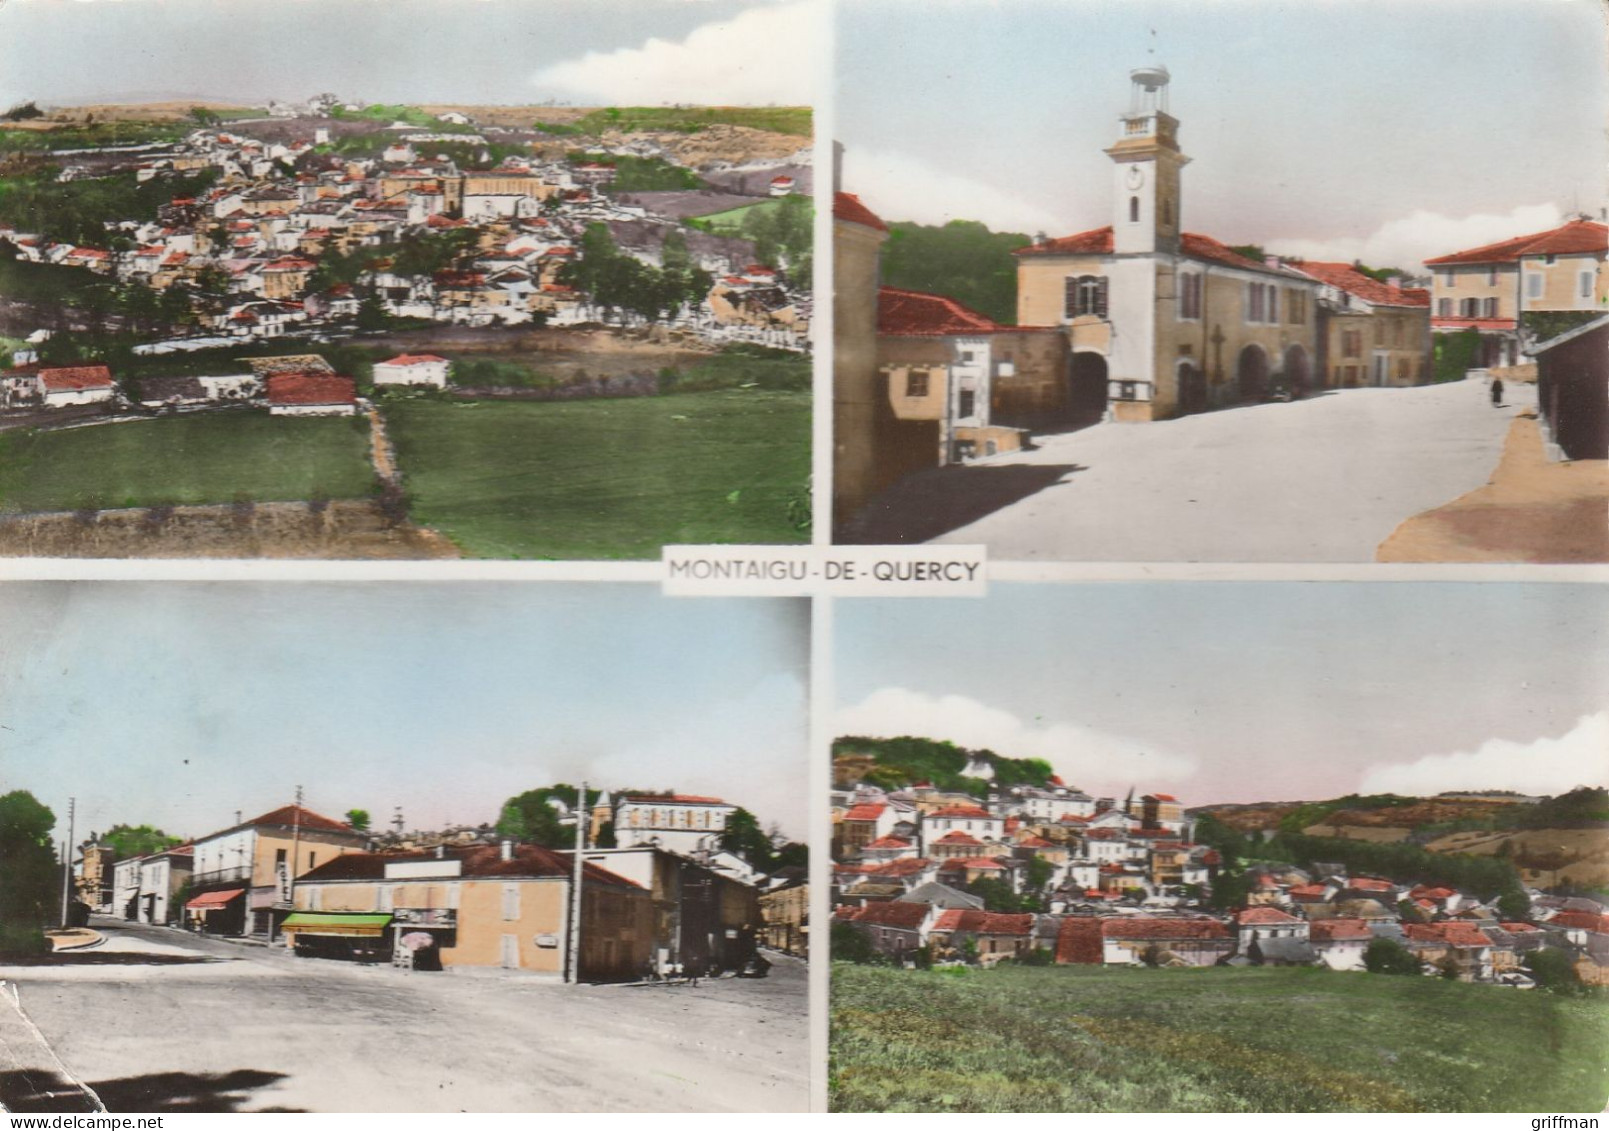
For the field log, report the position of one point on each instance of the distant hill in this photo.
(962, 260)
(895, 762)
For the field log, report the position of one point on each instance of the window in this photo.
(1533, 285)
(1262, 302)
(1584, 281)
(1452, 279)
(1351, 343)
(1296, 307)
(968, 403)
(916, 383)
(1167, 212)
(1134, 210)
(511, 901)
(1190, 296)
(1491, 277)
(1127, 390)
(1469, 308)
(1086, 294)
(1444, 307)
(1489, 308)
(968, 357)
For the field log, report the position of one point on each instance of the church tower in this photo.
(1146, 162)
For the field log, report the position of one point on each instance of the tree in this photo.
(358, 819)
(1387, 956)
(996, 895)
(743, 837)
(1554, 970)
(850, 945)
(129, 841)
(533, 817)
(30, 880)
(203, 116)
(22, 111)
(1514, 906)
(372, 314)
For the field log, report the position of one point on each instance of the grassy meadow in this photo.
(1258, 1039)
(185, 460)
(606, 479)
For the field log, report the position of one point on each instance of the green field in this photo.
(605, 478)
(691, 119)
(1099, 1039)
(731, 219)
(211, 458)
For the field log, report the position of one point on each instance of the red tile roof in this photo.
(75, 377)
(1341, 930)
(411, 359)
(984, 922)
(1137, 927)
(1078, 940)
(1161, 797)
(847, 206)
(958, 837)
(1369, 883)
(289, 815)
(971, 864)
(1036, 842)
(961, 811)
(898, 868)
(1575, 237)
(917, 314)
(1581, 921)
(1353, 281)
(891, 914)
(1261, 916)
(311, 389)
(865, 813)
(673, 798)
(1098, 241)
(890, 842)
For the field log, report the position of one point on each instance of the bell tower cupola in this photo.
(1147, 161)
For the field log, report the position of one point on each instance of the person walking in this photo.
(1497, 392)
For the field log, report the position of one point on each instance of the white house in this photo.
(679, 822)
(413, 369)
(126, 888)
(161, 876)
(1341, 942)
(80, 384)
(969, 819)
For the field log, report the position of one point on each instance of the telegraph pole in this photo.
(290, 873)
(581, 815)
(67, 859)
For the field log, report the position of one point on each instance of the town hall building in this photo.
(1161, 321)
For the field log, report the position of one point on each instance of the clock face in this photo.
(1136, 177)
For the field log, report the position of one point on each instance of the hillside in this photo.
(1074, 1038)
(962, 260)
(895, 762)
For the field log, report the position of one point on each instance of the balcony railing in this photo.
(221, 875)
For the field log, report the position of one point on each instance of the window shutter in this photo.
(1100, 296)
(1070, 306)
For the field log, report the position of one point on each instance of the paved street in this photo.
(252, 1029)
(1320, 480)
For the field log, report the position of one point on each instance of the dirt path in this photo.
(1531, 510)
(381, 453)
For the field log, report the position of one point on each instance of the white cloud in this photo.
(763, 56)
(899, 187)
(1546, 765)
(1083, 757)
(1409, 241)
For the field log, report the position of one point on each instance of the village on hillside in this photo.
(324, 259)
(1046, 874)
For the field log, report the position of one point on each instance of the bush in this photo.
(1387, 956)
(1554, 970)
(23, 942)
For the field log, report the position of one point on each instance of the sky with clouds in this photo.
(176, 704)
(1339, 129)
(1246, 691)
(491, 52)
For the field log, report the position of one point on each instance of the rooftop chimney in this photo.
(1271, 261)
(505, 848)
(441, 852)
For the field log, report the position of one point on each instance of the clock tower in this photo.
(1146, 163)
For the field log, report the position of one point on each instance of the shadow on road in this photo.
(160, 1091)
(923, 506)
(105, 958)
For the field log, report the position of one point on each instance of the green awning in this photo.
(316, 923)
